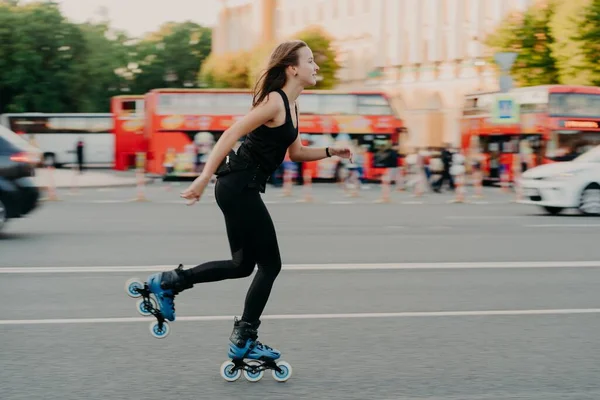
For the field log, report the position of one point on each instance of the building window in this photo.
(350, 7)
(334, 4)
(366, 6)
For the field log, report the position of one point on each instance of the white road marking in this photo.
(465, 217)
(563, 226)
(211, 318)
(321, 267)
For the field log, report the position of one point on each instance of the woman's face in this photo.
(307, 67)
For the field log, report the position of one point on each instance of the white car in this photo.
(572, 184)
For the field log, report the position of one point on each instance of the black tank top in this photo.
(267, 146)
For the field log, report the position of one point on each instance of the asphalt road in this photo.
(367, 305)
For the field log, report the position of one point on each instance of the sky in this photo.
(137, 17)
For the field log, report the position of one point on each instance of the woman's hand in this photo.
(343, 152)
(195, 190)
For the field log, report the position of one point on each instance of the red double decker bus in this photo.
(182, 126)
(128, 129)
(554, 123)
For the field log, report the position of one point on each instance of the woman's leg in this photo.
(264, 242)
(266, 251)
(236, 208)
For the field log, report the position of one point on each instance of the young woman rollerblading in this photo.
(270, 130)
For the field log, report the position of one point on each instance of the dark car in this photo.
(19, 194)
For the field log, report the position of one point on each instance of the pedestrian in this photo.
(79, 149)
(446, 157)
(271, 127)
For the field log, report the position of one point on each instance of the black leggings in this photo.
(252, 240)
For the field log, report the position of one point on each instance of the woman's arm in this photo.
(256, 117)
(259, 115)
(299, 153)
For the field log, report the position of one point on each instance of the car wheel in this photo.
(553, 210)
(590, 200)
(3, 214)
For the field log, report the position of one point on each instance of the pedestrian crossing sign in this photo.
(505, 110)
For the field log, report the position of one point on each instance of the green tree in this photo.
(530, 36)
(229, 70)
(257, 61)
(589, 34)
(171, 57)
(319, 41)
(568, 50)
(106, 68)
(38, 49)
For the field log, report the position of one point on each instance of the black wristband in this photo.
(327, 151)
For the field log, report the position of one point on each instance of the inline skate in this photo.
(252, 358)
(157, 297)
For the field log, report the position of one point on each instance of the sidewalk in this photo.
(67, 178)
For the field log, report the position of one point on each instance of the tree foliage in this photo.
(568, 49)
(49, 64)
(171, 57)
(588, 33)
(530, 36)
(230, 70)
(558, 41)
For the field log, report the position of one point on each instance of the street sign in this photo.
(505, 60)
(505, 109)
(506, 83)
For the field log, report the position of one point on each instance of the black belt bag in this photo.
(232, 163)
(236, 162)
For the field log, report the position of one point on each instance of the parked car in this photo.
(18, 193)
(568, 184)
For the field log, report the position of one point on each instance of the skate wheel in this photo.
(228, 373)
(142, 306)
(286, 371)
(157, 332)
(131, 285)
(253, 376)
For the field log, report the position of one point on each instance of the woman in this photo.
(272, 129)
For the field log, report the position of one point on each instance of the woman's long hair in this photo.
(274, 76)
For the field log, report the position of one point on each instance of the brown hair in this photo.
(274, 76)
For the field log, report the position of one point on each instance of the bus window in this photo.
(100, 125)
(369, 104)
(128, 107)
(337, 104)
(67, 125)
(233, 103)
(29, 124)
(308, 103)
(533, 108)
(574, 105)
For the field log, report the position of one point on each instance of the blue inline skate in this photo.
(158, 295)
(245, 346)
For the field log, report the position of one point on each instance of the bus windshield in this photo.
(578, 105)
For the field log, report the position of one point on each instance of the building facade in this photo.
(427, 54)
